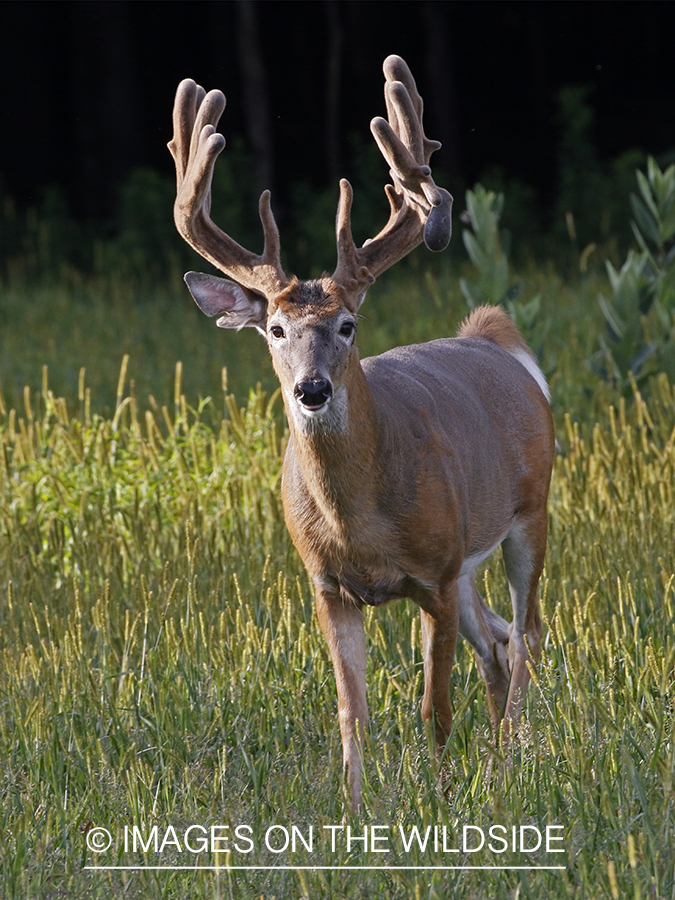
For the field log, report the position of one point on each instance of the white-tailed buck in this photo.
(405, 471)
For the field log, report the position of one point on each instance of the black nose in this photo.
(313, 394)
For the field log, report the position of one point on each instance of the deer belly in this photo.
(367, 588)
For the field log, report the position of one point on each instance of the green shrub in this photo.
(639, 335)
(488, 247)
(484, 246)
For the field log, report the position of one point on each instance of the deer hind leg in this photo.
(524, 550)
(439, 625)
(342, 626)
(488, 634)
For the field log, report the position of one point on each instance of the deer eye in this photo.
(347, 329)
(277, 331)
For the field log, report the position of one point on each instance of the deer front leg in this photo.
(342, 626)
(440, 622)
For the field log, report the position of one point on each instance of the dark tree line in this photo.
(89, 85)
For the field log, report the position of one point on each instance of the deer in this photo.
(405, 471)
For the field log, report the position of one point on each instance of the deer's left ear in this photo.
(237, 307)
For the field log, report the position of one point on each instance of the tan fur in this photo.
(492, 324)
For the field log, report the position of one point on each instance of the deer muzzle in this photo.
(313, 395)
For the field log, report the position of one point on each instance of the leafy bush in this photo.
(487, 247)
(484, 246)
(639, 335)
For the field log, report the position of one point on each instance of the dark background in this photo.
(88, 86)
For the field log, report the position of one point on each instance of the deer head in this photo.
(310, 326)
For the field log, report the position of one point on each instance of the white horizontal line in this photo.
(321, 868)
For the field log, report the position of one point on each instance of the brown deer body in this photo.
(403, 472)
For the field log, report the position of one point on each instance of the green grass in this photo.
(160, 660)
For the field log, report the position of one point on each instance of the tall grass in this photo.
(161, 664)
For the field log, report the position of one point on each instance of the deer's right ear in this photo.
(237, 308)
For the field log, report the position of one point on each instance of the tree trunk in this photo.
(333, 86)
(256, 105)
(441, 99)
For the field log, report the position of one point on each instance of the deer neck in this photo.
(338, 459)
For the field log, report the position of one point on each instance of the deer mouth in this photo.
(313, 395)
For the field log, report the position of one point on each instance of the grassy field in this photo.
(161, 666)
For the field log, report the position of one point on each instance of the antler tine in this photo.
(195, 147)
(349, 272)
(418, 208)
(188, 96)
(396, 69)
(404, 106)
